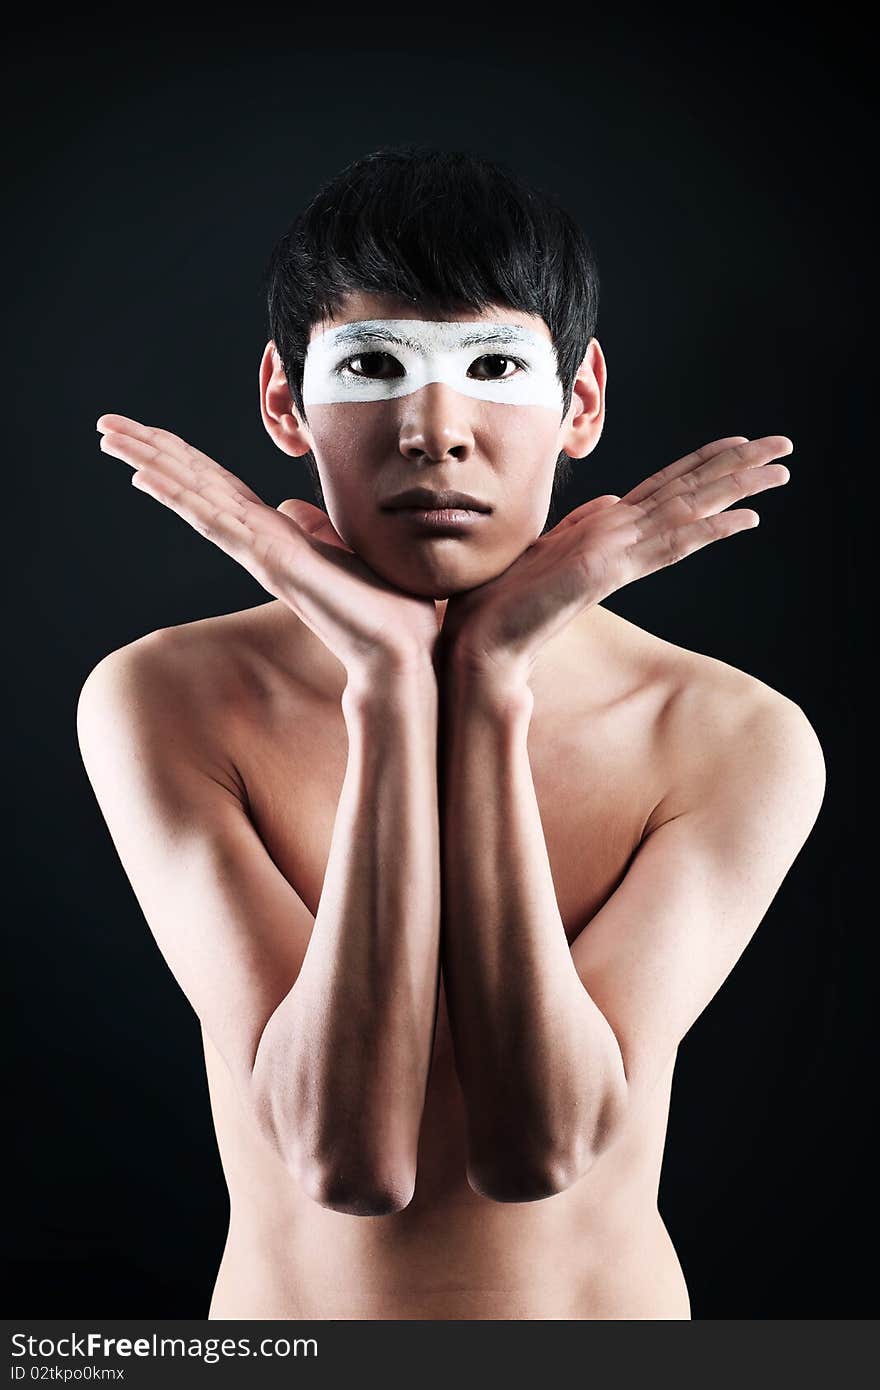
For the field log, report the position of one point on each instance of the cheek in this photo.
(521, 437)
(346, 431)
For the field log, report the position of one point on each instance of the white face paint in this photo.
(424, 351)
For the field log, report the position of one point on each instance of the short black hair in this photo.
(448, 230)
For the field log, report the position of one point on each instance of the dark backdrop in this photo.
(715, 167)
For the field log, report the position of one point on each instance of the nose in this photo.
(435, 424)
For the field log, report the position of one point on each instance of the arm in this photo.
(342, 1066)
(539, 1066)
(555, 1045)
(325, 1023)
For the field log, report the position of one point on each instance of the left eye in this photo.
(495, 357)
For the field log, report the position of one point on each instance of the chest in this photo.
(596, 780)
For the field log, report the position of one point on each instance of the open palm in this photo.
(293, 551)
(609, 542)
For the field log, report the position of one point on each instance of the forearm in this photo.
(537, 1060)
(356, 1029)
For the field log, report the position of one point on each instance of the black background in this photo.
(716, 166)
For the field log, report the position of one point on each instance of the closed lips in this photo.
(435, 501)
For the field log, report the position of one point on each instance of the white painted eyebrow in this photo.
(352, 333)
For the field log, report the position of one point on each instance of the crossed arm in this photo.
(438, 854)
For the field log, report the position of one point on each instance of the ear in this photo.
(586, 414)
(277, 409)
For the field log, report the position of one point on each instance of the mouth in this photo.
(424, 499)
(441, 518)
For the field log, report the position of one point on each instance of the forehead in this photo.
(356, 307)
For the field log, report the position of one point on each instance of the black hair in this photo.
(448, 230)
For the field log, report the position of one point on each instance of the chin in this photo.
(435, 577)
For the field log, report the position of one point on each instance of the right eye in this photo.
(368, 361)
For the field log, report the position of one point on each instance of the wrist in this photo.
(385, 681)
(500, 686)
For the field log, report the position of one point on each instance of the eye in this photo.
(496, 357)
(369, 366)
(367, 360)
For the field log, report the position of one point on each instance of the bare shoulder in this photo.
(210, 664)
(730, 734)
(185, 687)
(714, 729)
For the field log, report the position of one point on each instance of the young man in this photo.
(435, 782)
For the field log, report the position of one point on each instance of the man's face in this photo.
(438, 413)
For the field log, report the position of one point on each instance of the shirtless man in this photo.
(446, 856)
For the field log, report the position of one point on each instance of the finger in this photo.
(214, 484)
(174, 453)
(682, 465)
(157, 466)
(740, 459)
(224, 526)
(168, 449)
(668, 547)
(712, 497)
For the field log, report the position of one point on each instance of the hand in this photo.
(293, 551)
(604, 545)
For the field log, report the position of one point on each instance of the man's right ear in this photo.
(277, 409)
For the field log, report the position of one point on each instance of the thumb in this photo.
(311, 520)
(303, 513)
(595, 504)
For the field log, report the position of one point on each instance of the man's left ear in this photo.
(586, 414)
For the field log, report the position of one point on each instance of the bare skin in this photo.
(270, 781)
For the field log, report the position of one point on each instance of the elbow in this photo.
(326, 1172)
(355, 1193)
(504, 1173)
(503, 1178)
(354, 1188)
(526, 1170)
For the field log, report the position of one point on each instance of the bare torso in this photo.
(605, 742)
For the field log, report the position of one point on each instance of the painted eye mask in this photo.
(379, 359)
